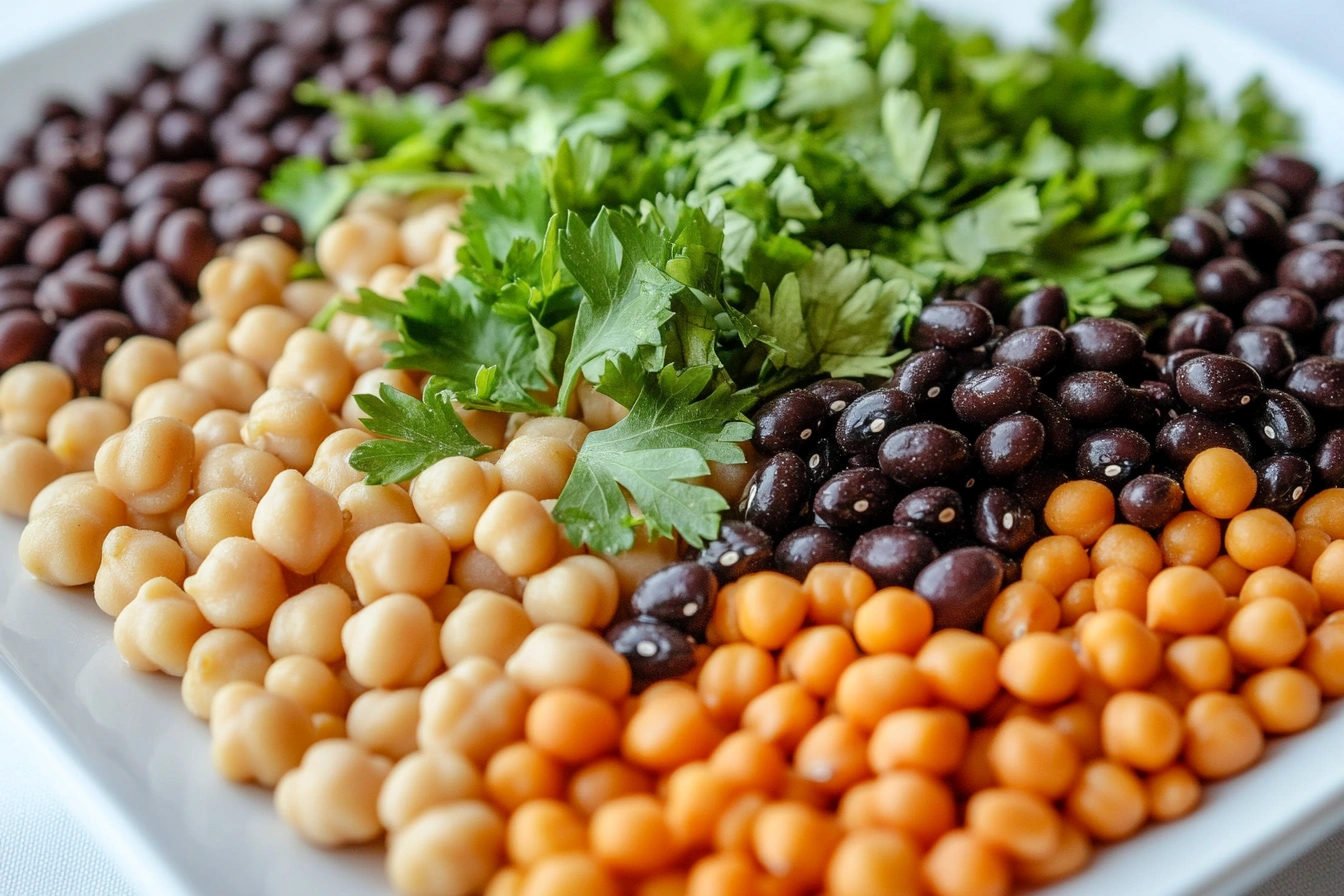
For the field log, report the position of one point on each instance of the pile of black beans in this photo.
(108, 213)
(670, 612)
(936, 479)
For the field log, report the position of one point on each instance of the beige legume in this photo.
(156, 631)
(581, 591)
(216, 515)
(210, 335)
(63, 544)
(149, 466)
(29, 468)
(568, 430)
(368, 383)
(473, 569)
(314, 362)
(518, 534)
(390, 280)
(290, 424)
(239, 585)
(230, 286)
(171, 398)
(356, 245)
(273, 254)
(422, 233)
(562, 656)
(392, 643)
(473, 709)
(130, 558)
(385, 721)
(305, 298)
(363, 343)
(451, 496)
(219, 427)
(398, 557)
(536, 465)
(241, 467)
(421, 781)
(76, 488)
(485, 623)
(30, 393)
(77, 429)
(598, 410)
(298, 523)
(447, 851)
(331, 470)
(137, 363)
(230, 382)
(309, 682)
(259, 335)
(332, 797)
(256, 735)
(309, 624)
(219, 657)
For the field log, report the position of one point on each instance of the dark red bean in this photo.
(870, 418)
(1317, 270)
(1093, 397)
(1009, 446)
(252, 217)
(208, 84)
(24, 336)
(960, 586)
(1060, 437)
(1332, 340)
(98, 207)
(1037, 484)
(34, 196)
(1046, 307)
(1151, 500)
(925, 454)
(155, 302)
(1183, 437)
(1294, 176)
(1228, 282)
(1282, 483)
(1103, 343)
(1281, 422)
(183, 134)
(20, 275)
(654, 650)
(1217, 384)
(185, 245)
(1255, 220)
(836, 394)
(1314, 227)
(1199, 327)
(115, 254)
(145, 223)
(227, 185)
(804, 548)
(12, 297)
(740, 549)
(855, 499)
(1113, 456)
(466, 35)
(1195, 237)
(1318, 383)
(955, 326)
(989, 395)
(893, 555)
(85, 343)
(987, 292)
(55, 241)
(934, 510)
(1002, 521)
(926, 376)
(1037, 350)
(72, 294)
(681, 595)
(13, 237)
(1267, 349)
(177, 181)
(1327, 465)
(1288, 309)
(789, 422)
(777, 493)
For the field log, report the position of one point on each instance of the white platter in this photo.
(135, 766)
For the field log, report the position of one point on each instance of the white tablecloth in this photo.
(45, 852)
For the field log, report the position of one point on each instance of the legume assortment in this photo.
(971, 612)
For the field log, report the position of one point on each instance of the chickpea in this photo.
(1173, 793)
(157, 629)
(1040, 669)
(1282, 583)
(29, 468)
(833, 755)
(238, 584)
(569, 874)
(1078, 601)
(260, 333)
(1141, 730)
(1083, 509)
(746, 761)
(370, 383)
(961, 864)
(386, 721)
(1126, 545)
(137, 363)
(771, 608)
(581, 591)
(1021, 824)
(331, 470)
(256, 735)
(518, 534)
(363, 344)
(130, 558)
(290, 424)
(409, 558)
(794, 842)
(271, 252)
(1266, 632)
(210, 335)
(894, 620)
(62, 544)
(1191, 538)
(961, 667)
(238, 467)
(313, 362)
(928, 740)
(305, 298)
(1327, 576)
(1284, 701)
(1109, 801)
(914, 803)
(1072, 856)
(873, 686)
(538, 466)
(816, 657)
(218, 427)
(356, 245)
(230, 286)
(781, 714)
(230, 382)
(520, 773)
(1035, 757)
(669, 731)
(733, 676)
(598, 411)
(1259, 538)
(1020, 608)
(332, 797)
(1080, 722)
(539, 829)
(722, 872)
(308, 682)
(1185, 600)
(422, 233)
(452, 495)
(449, 850)
(486, 624)
(874, 863)
(566, 429)
(1323, 658)
(1222, 736)
(392, 643)
(216, 515)
(473, 709)
(71, 488)
(602, 781)
(1121, 588)
(76, 429)
(556, 655)
(30, 393)
(218, 657)
(421, 781)
(835, 591)
(1201, 663)
(298, 523)
(1125, 653)
(149, 466)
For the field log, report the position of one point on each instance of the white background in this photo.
(44, 852)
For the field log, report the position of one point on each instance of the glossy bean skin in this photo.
(960, 585)
(924, 454)
(893, 555)
(990, 395)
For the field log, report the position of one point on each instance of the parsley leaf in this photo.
(418, 433)
(665, 440)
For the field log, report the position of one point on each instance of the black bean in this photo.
(1103, 343)
(1327, 465)
(115, 254)
(185, 245)
(955, 326)
(1060, 437)
(157, 97)
(823, 460)
(1093, 397)
(251, 217)
(1141, 413)
(836, 394)
(145, 223)
(13, 237)
(1332, 340)
(1318, 383)
(1282, 483)
(249, 149)
(1151, 500)
(1003, 521)
(1290, 310)
(1195, 237)
(681, 595)
(466, 35)
(209, 83)
(1185, 436)
(988, 395)
(1254, 220)
(934, 510)
(1113, 456)
(1199, 327)
(22, 276)
(1334, 310)
(183, 134)
(306, 28)
(85, 343)
(1218, 384)
(289, 133)
(926, 375)
(1036, 485)
(258, 108)
(424, 20)
(13, 297)
(960, 586)
(1281, 422)
(893, 555)
(777, 493)
(278, 69)
(1163, 397)
(55, 241)
(654, 650)
(132, 140)
(740, 549)
(1314, 227)
(154, 301)
(1037, 350)
(24, 336)
(228, 185)
(34, 195)
(1009, 446)
(98, 207)
(870, 418)
(987, 292)
(1228, 282)
(411, 62)
(72, 294)
(1294, 176)
(85, 262)
(1046, 307)
(925, 454)
(855, 499)
(1267, 349)
(1174, 361)
(804, 548)
(1317, 270)
(242, 39)
(789, 422)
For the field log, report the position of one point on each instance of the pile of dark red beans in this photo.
(109, 213)
(936, 480)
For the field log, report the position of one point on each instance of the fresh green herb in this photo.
(419, 433)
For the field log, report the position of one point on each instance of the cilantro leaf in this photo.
(1075, 22)
(1006, 219)
(418, 433)
(665, 440)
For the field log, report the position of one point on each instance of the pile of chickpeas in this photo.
(425, 664)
